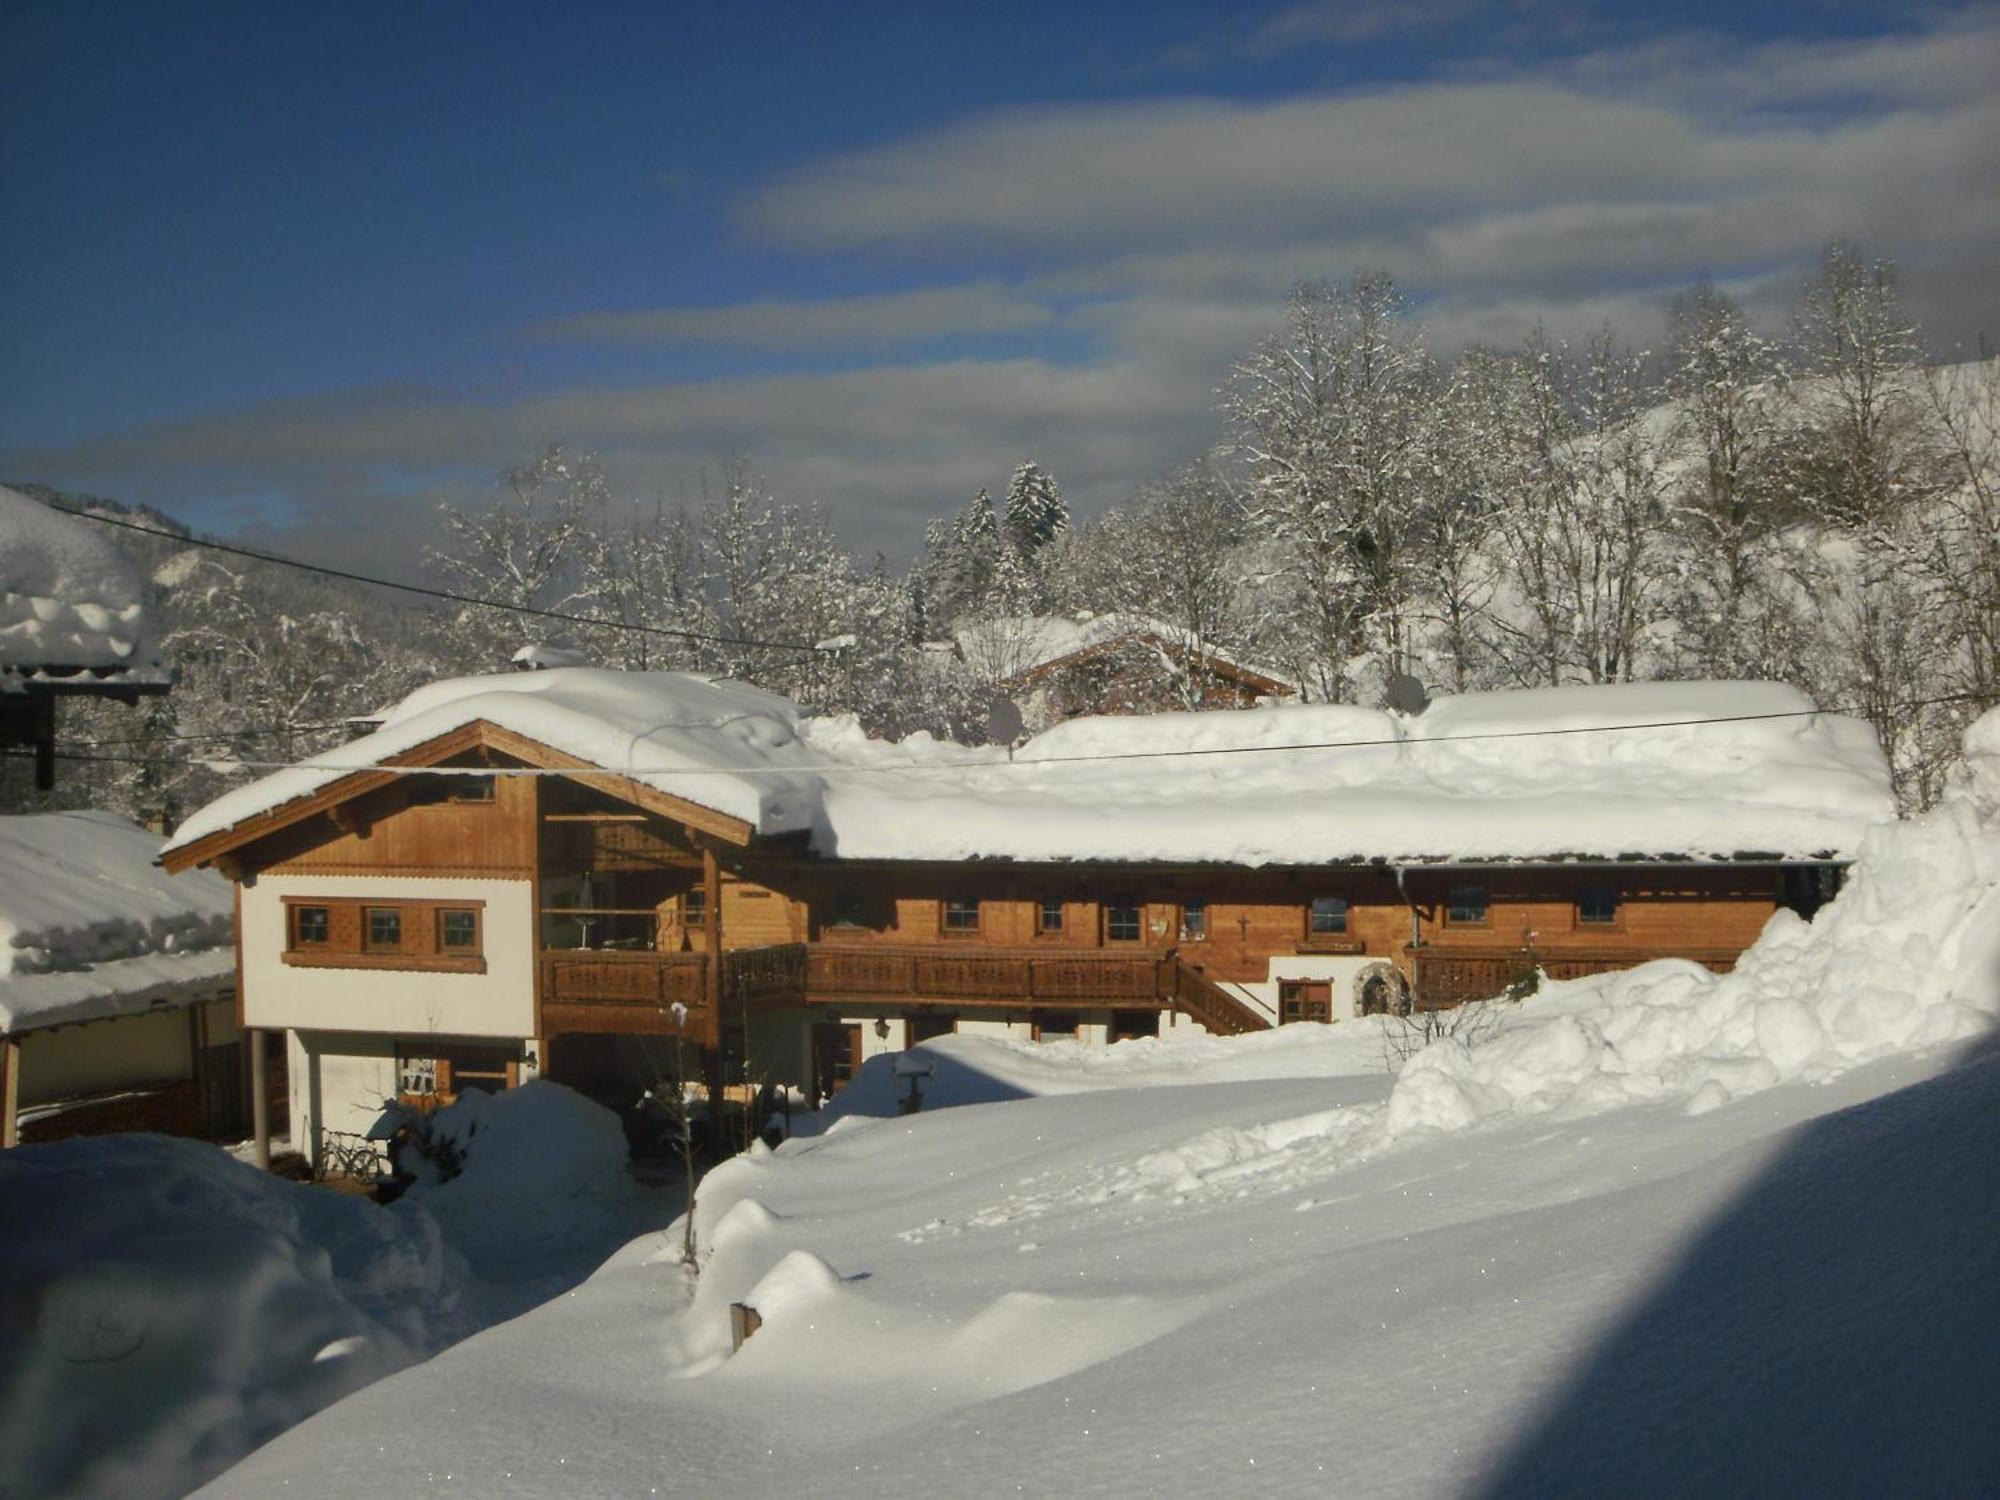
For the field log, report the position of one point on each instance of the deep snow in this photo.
(165, 1308)
(91, 927)
(1655, 1234)
(1480, 776)
(68, 598)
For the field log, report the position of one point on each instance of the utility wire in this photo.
(900, 767)
(448, 595)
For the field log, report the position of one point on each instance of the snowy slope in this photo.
(1612, 771)
(91, 927)
(68, 598)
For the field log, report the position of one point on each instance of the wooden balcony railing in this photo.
(1447, 976)
(775, 973)
(1023, 976)
(588, 976)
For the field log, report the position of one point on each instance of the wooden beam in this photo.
(711, 931)
(260, 1098)
(10, 1091)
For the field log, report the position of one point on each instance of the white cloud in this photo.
(1163, 234)
(875, 321)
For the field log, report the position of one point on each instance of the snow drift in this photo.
(165, 1309)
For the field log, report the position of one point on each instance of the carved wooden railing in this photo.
(1447, 976)
(1195, 994)
(615, 977)
(777, 972)
(998, 975)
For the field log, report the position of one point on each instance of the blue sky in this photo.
(297, 272)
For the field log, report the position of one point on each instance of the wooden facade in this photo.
(655, 922)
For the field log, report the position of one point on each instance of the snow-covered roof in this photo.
(1476, 777)
(1010, 645)
(722, 745)
(90, 927)
(71, 603)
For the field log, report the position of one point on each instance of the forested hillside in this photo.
(1816, 506)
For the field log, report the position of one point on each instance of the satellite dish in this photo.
(1003, 721)
(1406, 695)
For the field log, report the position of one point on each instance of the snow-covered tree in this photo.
(1332, 416)
(1035, 513)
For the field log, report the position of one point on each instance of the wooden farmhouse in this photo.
(1057, 667)
(607, 877)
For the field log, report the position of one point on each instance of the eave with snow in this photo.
(521, 862)
(73, 622)
(117, 984)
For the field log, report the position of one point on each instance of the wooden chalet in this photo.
(615, 878)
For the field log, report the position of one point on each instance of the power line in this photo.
(901, 767)
(448, 595)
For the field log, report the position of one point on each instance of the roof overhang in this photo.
(479, 734)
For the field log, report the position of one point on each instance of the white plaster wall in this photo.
(498, 1003)
(68, 1062)
(1342, 969)
(340, 1080)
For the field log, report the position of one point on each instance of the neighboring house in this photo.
(72, 622)
(601, 875)
(1058, 667)
(117, 986)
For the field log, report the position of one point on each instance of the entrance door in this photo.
(1305, 1000)
(836, 1053)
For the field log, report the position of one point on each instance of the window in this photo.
(961, 916)
(694, 906)
(1121, 920)
(1194, 921)
(847, 909)
(1055, 1025)
(1049, 917)
(1305, 1000)
(331, 932)
(1597, 906)
(384, 926)
(1466, 906)
(1328, 917)
(430, 790)
(458, 930)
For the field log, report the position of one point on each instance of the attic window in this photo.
(1194, 921)
(1048, 917)
(1121, 920)
(1597, 906)
(1329, 916)
(961, 916)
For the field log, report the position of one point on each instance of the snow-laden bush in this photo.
(520, 1173)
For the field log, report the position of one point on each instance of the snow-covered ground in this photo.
(1654, 1234)
(164, 1308)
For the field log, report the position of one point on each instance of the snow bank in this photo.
(165, 1309)
(542, 1170)
(1477, 777)
(91, 927)
(1908, 956)
(983, 1070)
(69, 599)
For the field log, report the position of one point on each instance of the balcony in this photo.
(995, 976)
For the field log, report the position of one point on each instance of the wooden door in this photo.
(836, 1053)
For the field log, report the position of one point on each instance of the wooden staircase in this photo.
(1194, 994)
